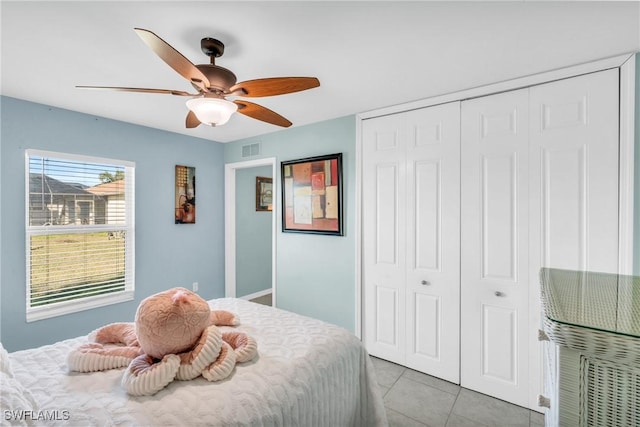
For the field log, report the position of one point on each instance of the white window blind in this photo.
(80, 233)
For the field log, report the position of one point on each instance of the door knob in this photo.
(499, 294)
(424, 282)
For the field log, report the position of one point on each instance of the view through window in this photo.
(79, 233)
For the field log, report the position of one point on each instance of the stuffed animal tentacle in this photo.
(116, 333)
(93, 357)
(223, 318)
(244, 346)
(96, 348)
(144, 377)
(222, 367)
(205, 352)
(114, 346)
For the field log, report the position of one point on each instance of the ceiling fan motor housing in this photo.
(220, 78)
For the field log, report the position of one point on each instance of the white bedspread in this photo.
(308, 373)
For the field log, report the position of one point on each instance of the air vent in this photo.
(251, 150)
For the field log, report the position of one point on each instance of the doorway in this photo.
(237, 253)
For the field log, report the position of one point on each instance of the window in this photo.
(79, 231)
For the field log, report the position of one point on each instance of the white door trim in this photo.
(230, 224)
(358, 231)
(626, 191)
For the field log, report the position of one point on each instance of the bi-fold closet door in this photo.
(463, 203)
(539, 189)
(411, 239)
(494, 255)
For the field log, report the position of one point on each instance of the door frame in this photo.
(230, 224)
(626, 65)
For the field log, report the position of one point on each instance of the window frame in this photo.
(85, 303)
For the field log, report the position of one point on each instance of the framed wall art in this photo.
(185, 203)
(312, 195)
(264, 193)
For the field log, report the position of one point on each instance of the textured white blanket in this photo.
(308, 373)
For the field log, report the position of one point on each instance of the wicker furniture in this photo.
(592, 348)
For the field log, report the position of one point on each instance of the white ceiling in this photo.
(367, 54)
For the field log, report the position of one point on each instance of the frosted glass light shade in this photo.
(212, 111)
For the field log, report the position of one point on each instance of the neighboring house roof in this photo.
(108, 188)
(53, 186)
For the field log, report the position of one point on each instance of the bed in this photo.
(307, 373)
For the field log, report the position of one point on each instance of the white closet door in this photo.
(494, 272)
(411, 239)
(574, 149)
(433, 234)
(384, 236)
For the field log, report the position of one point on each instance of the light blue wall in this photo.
(253, 235)
(167, 254)
(315, 273)
(636, 226)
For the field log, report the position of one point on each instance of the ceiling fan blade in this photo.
(139, 89)
(259, 112)
(173, 58)
(192, 121)
(275, 86)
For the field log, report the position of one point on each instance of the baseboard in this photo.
(257, 294)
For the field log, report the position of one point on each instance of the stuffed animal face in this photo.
(171, 322)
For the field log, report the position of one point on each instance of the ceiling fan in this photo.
(214, 83)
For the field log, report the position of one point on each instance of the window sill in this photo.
(62, 308)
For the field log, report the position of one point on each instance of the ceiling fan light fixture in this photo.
(212, 111)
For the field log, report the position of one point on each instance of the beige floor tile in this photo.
(459, 421)
(536, 420)
(396, 419)
(489, 411)
(432, 381)
(387, 372)
(420, 402)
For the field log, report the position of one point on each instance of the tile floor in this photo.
(414, 399)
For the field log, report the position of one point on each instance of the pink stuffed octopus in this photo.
(175, 336)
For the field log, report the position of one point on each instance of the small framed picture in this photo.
(312, 195)
(185, 203)
(264, 193)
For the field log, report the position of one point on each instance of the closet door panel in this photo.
(384, 236)
(428, 211)
(387, 331)
(433, 237)
(499, 343)
(494, 282)
(427, 338)
(498, 203)
(386, 210)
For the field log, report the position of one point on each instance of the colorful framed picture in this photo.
(185, 203)
(264, 193)
(312, 195)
